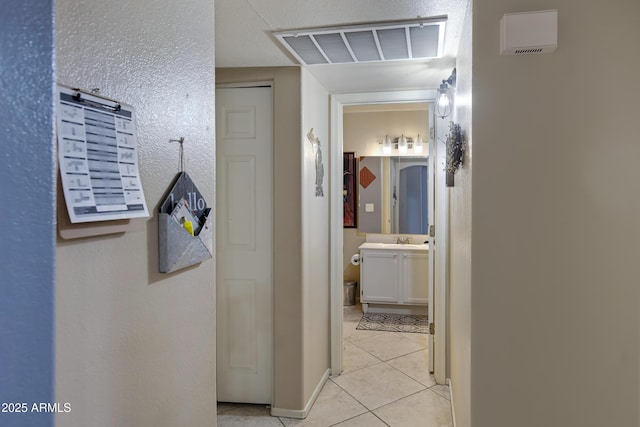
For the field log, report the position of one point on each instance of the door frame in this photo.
(338, 101)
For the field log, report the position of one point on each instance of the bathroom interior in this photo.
(386, 208)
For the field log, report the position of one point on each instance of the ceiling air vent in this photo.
(382, 41)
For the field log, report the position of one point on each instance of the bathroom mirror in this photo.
(393, 195)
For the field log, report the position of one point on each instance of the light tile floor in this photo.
(385, 382)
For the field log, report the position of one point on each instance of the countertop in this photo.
(395, 246)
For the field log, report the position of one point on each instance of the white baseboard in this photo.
(302, 414)
(453, 409)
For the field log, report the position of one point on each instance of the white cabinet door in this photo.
(415, 279)
(379, 281)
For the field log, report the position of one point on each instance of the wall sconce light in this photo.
(444, 99)
(403, 144)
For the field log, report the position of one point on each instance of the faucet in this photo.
(402, 240)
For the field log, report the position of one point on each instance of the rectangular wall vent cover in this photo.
(384, 41)
(529, 33)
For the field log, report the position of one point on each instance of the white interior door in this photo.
(244, 249)
(432, 247)
(439, 251)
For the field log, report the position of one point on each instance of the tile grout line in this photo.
(394, 368)
(360, 369)
(424, 387)
(359, 415)
(402, 355)
(354, 398)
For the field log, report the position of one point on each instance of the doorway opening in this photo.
(338, 257)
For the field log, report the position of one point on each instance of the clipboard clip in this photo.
(93, 99)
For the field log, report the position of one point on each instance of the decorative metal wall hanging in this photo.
(456, 148)
(185, 230)
(317, 149)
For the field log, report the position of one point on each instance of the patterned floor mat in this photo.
(394, 323)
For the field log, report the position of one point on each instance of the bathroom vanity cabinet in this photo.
(394, 274)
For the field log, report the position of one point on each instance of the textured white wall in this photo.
(133, 346)
(554, 312)
(351, 242)
(27, 229)
(315, 235)
(364, 131)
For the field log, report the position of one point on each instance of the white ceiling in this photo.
(244, 39)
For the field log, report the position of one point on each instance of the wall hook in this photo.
(182, 160)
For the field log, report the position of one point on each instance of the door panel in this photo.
(241, 325)
(244, 223)
(240, 207)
